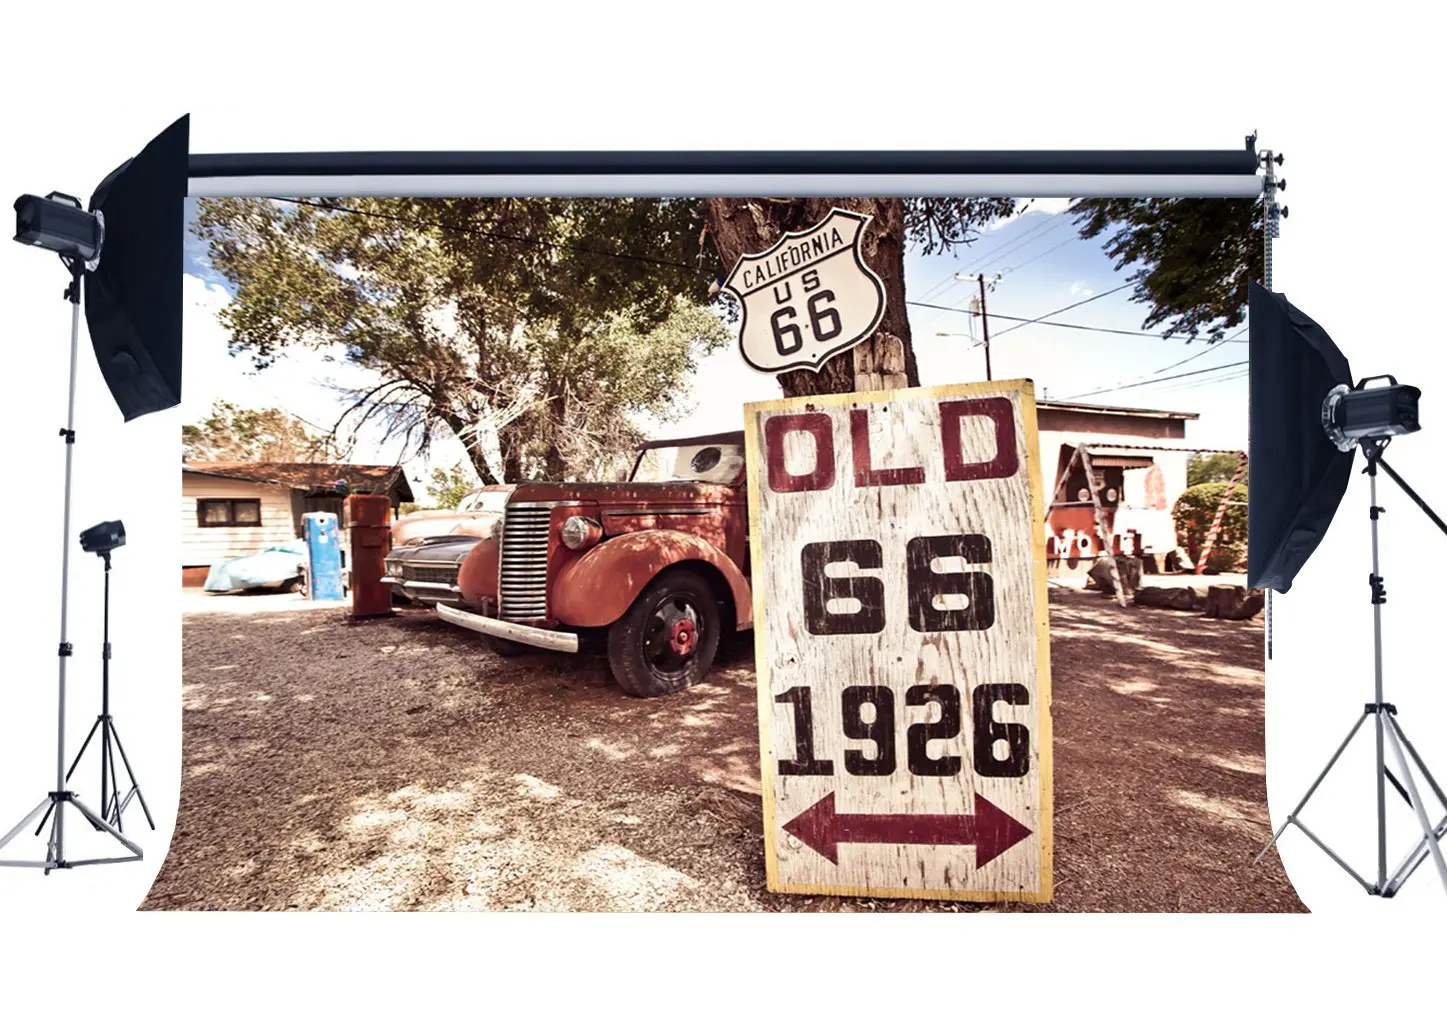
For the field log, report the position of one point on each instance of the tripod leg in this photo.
(1291, 817)
(1429, 834)
(76, 763)
(41, 826)
(91, 816)
(132, 776)
(115, 784)
(44, 805)
(1431, 782)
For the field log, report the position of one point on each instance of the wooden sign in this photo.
(902, 643)
(808, 298)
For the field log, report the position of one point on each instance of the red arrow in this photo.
(989, 829)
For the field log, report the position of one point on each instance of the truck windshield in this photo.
(711, 464)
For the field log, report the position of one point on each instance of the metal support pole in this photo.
(1379, 597)
(56, 801)
(1269, 228)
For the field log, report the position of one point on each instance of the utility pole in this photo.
(985, 326)
(984, 315)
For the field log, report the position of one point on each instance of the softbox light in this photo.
(133, 297)
(1297, 474)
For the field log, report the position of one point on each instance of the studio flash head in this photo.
(1352, 413)
(60, 223)
(103, 538)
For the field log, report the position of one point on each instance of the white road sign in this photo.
(808, 298)
(902, 643)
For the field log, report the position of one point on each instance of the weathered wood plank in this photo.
(902, 643)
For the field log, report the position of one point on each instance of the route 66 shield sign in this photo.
(808, 298)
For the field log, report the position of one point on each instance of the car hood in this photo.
(439, 523)
(448, 549)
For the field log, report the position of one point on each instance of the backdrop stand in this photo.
(1387, 730)
(55, 802)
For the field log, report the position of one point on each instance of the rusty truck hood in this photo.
(629, 493)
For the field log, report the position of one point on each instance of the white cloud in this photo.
(1049, 205)
(1079, 290)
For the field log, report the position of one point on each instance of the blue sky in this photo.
(1044, 267)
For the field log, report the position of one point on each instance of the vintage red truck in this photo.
(656, 566)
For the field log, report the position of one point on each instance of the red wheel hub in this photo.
(683, 636)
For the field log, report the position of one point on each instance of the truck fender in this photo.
(477, 578)
(599, 586)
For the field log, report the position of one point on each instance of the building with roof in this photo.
(1140, 475)
(230, 509)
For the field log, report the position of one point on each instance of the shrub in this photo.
(1194, 512)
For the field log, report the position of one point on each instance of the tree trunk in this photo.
(884, 361)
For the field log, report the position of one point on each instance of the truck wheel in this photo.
(505, 646)
(668, 638)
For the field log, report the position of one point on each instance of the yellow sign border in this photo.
(758, 560)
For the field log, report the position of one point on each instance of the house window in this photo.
(228, 511)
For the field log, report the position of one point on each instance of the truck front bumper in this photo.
(542, 638)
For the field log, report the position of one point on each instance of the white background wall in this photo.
(1347, 93)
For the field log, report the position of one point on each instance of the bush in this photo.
(1194, 512)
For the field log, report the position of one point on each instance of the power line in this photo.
(1168, 378)
(1066, 326)
(1072, 305)
(1018, 242)
(484, 233)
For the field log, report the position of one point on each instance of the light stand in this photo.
(1388, 730)
(55, 802)
(112, 803)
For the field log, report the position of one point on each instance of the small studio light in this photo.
(102, 538)
(60, 223)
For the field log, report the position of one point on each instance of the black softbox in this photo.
(133, 298)
(1298, 475)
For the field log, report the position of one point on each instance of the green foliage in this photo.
(1194, 512)
(496, 320)
(938, 224)
(449, 487)
(1195, 256)
(269, 435)
(1209, 467)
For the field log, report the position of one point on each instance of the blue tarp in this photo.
(270, 567)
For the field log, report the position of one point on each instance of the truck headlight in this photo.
(394, 567)
(580, 532)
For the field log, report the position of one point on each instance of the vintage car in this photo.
(474, 516)
(656, 565)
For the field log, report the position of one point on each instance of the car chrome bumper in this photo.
(542, 638)
(424, 592)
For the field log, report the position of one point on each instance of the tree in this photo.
(449, 487)
(1211, 467)
(479, 317)
(886, 360)
(1195, 257)
(1194, 512)
(268, 435)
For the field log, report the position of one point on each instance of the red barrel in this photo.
(368, 518)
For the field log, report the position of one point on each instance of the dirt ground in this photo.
(398, 764)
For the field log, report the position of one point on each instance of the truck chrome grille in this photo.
(523, 575)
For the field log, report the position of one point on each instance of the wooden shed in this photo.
(231, 508)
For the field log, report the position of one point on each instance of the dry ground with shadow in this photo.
(398, 764)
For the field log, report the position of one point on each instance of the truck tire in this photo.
(667, 639)
(505, 646)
